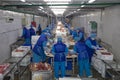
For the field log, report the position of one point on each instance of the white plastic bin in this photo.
(42, 75)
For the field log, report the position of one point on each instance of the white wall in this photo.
(111, 28)
(108, 26)
(83, 21)
(43, 22)
(76, 22)
(9, 32)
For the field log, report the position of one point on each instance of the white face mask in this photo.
(93, 38)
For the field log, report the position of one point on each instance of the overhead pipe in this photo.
(20, 11)
(62, 4)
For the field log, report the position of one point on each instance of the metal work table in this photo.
(108, 68)
(15, 65)
(73, 57)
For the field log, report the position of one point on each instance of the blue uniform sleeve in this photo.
(23, 33)
(88, 43)
(53, 50)
(66, 51)
(74, 48)
(44, 43)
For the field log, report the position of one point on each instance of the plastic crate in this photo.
(26, 61)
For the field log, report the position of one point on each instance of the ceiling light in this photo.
(91, 1)
(78, 9)
(23, 0)
(43, 11)
(58, 7)
(28, 3)
(58, 11)
(52, 3)
(74, 11)
(39, 9)
(83, 6)
(56, 0)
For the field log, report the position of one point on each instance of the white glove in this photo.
(98, 47)
(94, 47)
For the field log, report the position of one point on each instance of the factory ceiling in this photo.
(56, 7)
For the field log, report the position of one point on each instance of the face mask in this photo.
(93, 38)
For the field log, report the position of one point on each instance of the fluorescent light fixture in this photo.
(57, 3)
(41, 7)
(91, 1)
(23, 0)
(28, 3)
(58, 11)
(58, 7)
(83, 6)
(74, 11)
(78, 9)
(57, 0)
(82, 2)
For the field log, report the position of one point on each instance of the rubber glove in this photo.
(94, 47)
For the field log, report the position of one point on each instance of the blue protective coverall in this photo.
(26, 36)
(71, 31)
(90, 46)
(38, 50)
(83, 58)
(75, 35)
(32, 31)
(59, 51)
(39, 29)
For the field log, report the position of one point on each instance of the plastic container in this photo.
(42, 75)
(25, 61)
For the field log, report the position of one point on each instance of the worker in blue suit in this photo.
(75, 35)
(39, 29)
(26, 36)
(91, 45)
(32, 31)
(38, 50)
(83, 58)
(59, 51)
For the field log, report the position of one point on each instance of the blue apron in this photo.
(60, 52)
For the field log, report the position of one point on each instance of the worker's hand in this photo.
(94, 47)
(76, 53)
